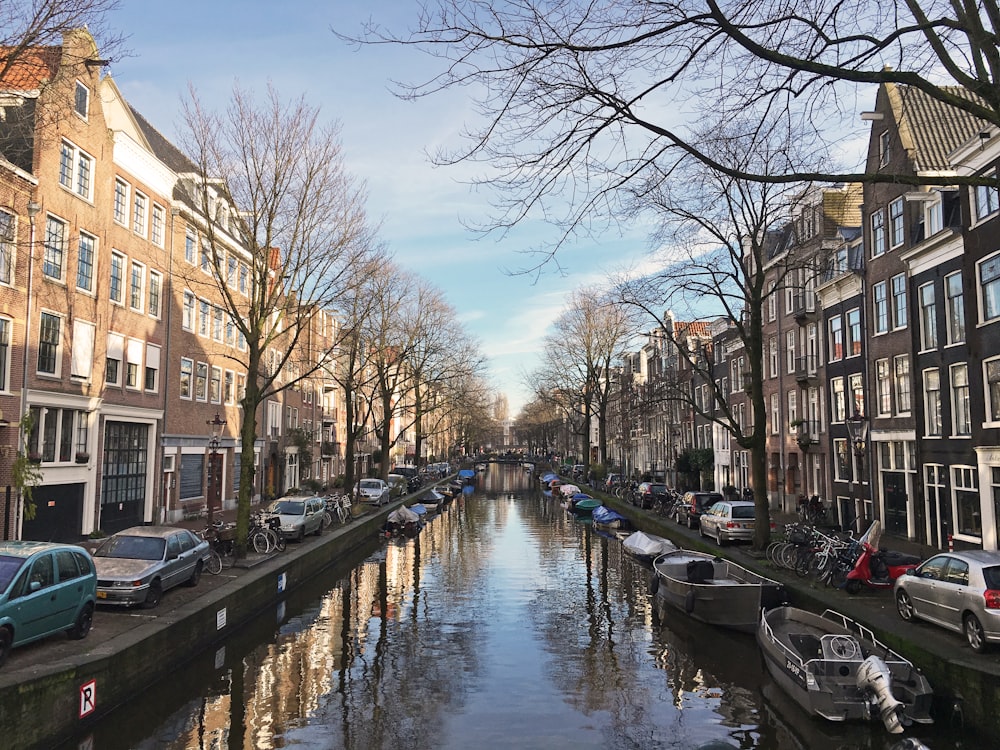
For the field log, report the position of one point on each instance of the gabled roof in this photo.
(29, 69)
(929, 129)
(164, 150)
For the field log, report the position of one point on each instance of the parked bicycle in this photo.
(339, 507)
(265, 533)
(222, 540)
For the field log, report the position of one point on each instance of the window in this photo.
(961, 413)
(139, 208)
(201, 382)
(75, 170)
(203, 316)
(81, 100)
(901, 383)
(218, 316)
(206, 258)
(899, 301)
(244, 278)
(55, 244)
(121, 201)
(955, 307)
(227, 386)
(878, 233)
(151, 378)
(241, 387)
(857, 391)
(190, 242)
(928, 317)
(883, 148)
(137, 278)
(187, 374)
(991, 369)
(133, 363)
(81, 363)
(880, 307)
(117, 288)
(155, 292)
(85, 262)
(836, 338)
(187, 314)
(933, 215)
(48, 343)
(842, 466)
(5, 326)
(772, 355)
(854, 332)
(932, 403)
(883, 388)
(126, 450)
(230, 330)
(989, 285)
(113, 359)
(987, 198)
(896, 223)
(793, 407)
(838, 403)
(231, 270)
(775, 414)
(969, 509)
(6, 247)
(215, 386)
(157, 226)
(790, 341)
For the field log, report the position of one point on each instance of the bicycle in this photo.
(265, 534)
(221, 538)
(214, 563)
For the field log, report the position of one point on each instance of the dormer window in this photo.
(883, 148)
(81, 100)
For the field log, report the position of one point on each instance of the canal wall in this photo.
(966, 685)
(50, 701)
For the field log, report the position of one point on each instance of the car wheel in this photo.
(154, 595)
(690, 522)
(974, 633)
(718, 537)
(83, 622)
(302, 534)
(5, 641)
(195, 575)
(903, 605)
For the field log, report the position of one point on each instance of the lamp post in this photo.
(214, 466)
(857, 430)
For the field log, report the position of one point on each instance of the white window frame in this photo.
(57, 372)
(54, 250)
(897, 223)
(120, 208)
(902, 386)
(77, 158)
(954, 308)
(933, 417)
(137, 287)
(927, 309)
(883, 388)
(93, 262)
(154, 306)
(140, 213)
(989, 292)
(880, 307)
(81, 100)
(186, 374)
(119, 261)
(158, 225)
(961, 404)
(878, 231)
(898, 310)
(991, 391)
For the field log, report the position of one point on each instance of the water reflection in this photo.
(505, 623)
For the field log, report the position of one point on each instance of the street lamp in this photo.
(857, 430)
(214, 466)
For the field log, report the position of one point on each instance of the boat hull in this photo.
(730, 596)
(802, 656)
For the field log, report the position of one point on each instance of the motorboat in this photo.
(468, 476)
(608, 518)
(714, 590)
(582, 505)
(647, 547)
(835, 668)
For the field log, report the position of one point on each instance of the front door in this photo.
(894, 492)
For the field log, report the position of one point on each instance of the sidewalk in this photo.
(888, 541)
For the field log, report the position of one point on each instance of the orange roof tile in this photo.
(28, 69)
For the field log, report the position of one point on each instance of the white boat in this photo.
(713, 590)
(647, 547)
(835, 668)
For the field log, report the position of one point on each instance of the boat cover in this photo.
(646, 545)
(604, 514)
(419, 509)
(402, 515)
(466, 473)
(432, 497)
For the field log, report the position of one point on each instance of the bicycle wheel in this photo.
(259, 541)
(278, 540)
(802, 560)
(214, 563)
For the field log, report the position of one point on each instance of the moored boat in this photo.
(468, 476)
(647, 547)
(835, 668)
(608, 518)
(713, 590)
(583, 506)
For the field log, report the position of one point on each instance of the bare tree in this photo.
(270, 189)
(577, 100)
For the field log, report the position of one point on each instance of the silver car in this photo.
(299, 516)
(135, 566)
(372, 491)
(728, 521)
(959, 591)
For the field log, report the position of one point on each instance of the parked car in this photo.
(135, 566)
(45, 588)
(398, 485)
(728, 521)
(647, 493)
(612, 481)
(959, 591)
(373, 491)
(299, 515)
(693, 505)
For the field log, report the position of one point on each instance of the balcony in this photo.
(805, 370)
(804, 307)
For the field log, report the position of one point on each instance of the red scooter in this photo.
(878, 568)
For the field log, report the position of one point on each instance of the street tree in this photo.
(270, 190)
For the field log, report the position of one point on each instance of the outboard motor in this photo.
(875, 679)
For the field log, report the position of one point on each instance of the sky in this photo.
(423, 210)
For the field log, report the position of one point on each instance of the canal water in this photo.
(504, 624)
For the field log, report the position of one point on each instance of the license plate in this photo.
(102, 594)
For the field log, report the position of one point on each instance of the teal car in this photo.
(45, 588)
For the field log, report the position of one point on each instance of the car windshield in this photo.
(133, 548)
(8, 569)
(370, 484)
(289, 507)
(743, 511)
